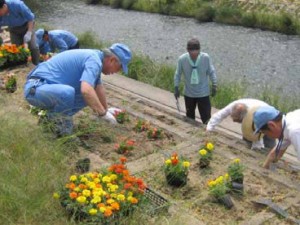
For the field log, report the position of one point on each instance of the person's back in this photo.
(62, 40)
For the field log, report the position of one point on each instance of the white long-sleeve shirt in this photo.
(291, 134)
(219, 116)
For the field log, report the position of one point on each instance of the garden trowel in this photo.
(178, 106)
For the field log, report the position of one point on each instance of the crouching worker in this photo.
(286, 128)
(71, 80)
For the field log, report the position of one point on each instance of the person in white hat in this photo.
(286, 128)
(238, 110)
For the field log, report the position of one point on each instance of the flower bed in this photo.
(102, 196)
(12, 55)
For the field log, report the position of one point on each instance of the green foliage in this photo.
(205, 13)
(228, 15)
(89, 40)
(115, 3)
(177, 166)
(127, 4)
(249, 19)
(31, 168)
(236, 170)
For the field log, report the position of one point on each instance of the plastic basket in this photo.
(157, 202)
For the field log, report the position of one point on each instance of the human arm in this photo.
(219, 116)
(213, 77)
(59, 44)
(100, 91)
(91, 98)
(272, 157)
(177, 78)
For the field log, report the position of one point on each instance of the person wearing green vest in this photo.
(197, 68)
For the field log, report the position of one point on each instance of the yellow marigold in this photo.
(81, 199)
(220, 180)
(91, 185)
(86, 193)
(102, 209)
(96, 200)
(93, 212)
(113, 195)
(130, 193)
(226, 176)
(113, 177)
(186, 164)
(237, 160)
(168, 162)
(210, 146)
(212, 183)
(83, 180)
(106, 179)
(129, 198)
(202, 152)
(73, 178)
(121, 197)
(110, 201)
(113, 188)
(77, 189)
(56, 195)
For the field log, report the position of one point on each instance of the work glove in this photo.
(27, 36)
(114, 110)
(176, 92)
(110, 118)
(214, 90)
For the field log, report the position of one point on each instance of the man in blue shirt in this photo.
(197, 69)
(56, 40)
(71, 80)
(20, 20)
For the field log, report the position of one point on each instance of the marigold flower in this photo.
(237, 160)
(56, 195)
(168, 161)
(107, 212)
(86, 193)
(96, 200)
(73, 195)
(203, 152)
(121, 197)
(210, 146)
(81, 199)
(93, 211)
(115, 206)
(186, 164)
(123, 160)
(73, 178)
(134, 200)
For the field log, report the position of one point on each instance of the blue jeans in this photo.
(58, 99)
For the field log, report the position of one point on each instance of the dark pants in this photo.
(16, 37)
(204, 108)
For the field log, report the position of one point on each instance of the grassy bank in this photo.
(266, 15)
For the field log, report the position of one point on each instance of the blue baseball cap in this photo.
(263, 115)
(123, 53)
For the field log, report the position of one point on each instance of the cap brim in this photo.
(257, 131)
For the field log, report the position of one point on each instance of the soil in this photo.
(146, 160)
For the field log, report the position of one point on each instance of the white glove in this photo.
(114, 110)
(257, 145)
(110, 118)
(27, 36)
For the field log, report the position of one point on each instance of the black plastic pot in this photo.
(203, 163)
(175, 180)
(237, 187)
(13, 64)
(226, 201)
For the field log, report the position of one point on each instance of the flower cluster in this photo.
(205, 152)
(125, 147)
(154, 133)
(101, 196)
(13, 53)
(236, 171)
(8, 82)
(46, 57)
(218, 187)
(176, 165)
(121, 116)
(141, 125)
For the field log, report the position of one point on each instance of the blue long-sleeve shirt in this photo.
(205, 70)
(18, 14)
(61, 40)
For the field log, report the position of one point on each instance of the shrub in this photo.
(206, 13)
(249, 19)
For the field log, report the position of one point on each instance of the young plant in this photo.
(121, 116)
(154, 133)
(218, 187)
(11, 84)
(125, 147)
(205, 153)
(236, 171)
(176, 170)
(142, 125)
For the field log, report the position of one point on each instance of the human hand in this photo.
(27, 36)
(176, 92)
(214, 90)
(110, 118)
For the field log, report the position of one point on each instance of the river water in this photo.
(262, 59)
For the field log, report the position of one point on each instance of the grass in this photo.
(229, 12)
